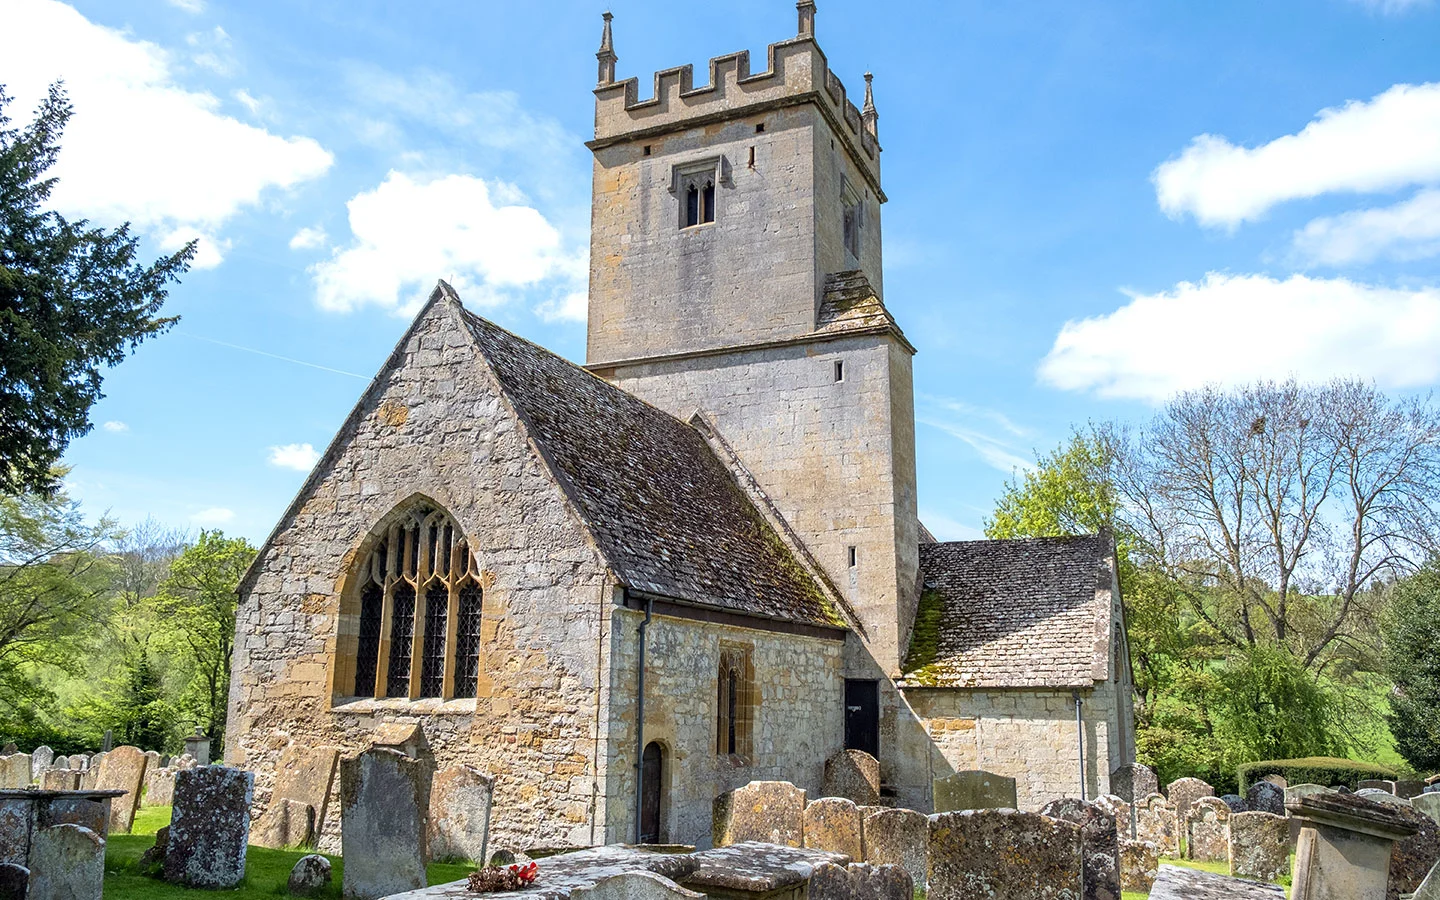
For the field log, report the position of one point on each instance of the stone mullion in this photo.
(382, 661)
(452, 625)
(417, 639)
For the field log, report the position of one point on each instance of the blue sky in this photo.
(1092, 205)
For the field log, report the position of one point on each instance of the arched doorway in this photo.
(652, 776)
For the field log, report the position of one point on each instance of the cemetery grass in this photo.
(266, 871)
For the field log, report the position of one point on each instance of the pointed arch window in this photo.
(694, 186)
(735, 703)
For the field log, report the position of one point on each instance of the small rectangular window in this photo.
(645, 151)
(852, 557)
(839, 370)
(760, 128)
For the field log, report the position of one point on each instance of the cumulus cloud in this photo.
(1385, 143)
(115, 427)
(215, 515)
(572, 307)
(1232, 329)
(141, 147)
(300, 457)
(408, 232)
(308, 239)
(1406, 230)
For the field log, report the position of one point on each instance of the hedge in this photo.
(1326, 770)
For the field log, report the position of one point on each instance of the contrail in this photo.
(298, 362)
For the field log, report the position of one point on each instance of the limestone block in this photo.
(14, 771)
(1139, 862)
(974, 789)
(1157, 821)
(67, 862)
(1099, 845)
(1347, 847)
(1429, 889)
(1003, 853)
(287, 823)
(384, 801)
(1207, 830)
(1176, 883)
(1184, 791)
(14, 881)
(1429, 804)
(60, 780)
(833, 824)
(829, 882)
(869, 882)
(1134, 781)
(772, 812)
(460, 801)
(122, 769)
(209, 827)
(159, 787)
(304, 777)
(41, 760)
(854, 775)
(406, 737)
(634, 886)
(1266, 797)
(310, 876)
(1259, 845)
(897, 837)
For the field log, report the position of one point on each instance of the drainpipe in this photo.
(1079, 740)
(640, 723)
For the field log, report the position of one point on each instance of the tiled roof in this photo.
(668, 516)
(1023, 613)
(851, 304)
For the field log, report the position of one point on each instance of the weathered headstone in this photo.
(122, 769)
(1099, 846)
(1429, 889)
(60, 780)
(67, 862)
(406, 737)
(384, 802)
(769, 811)
(974, 789)
(636, 886)
(1119, 810)
(1296, 791)
(152, 760)
(159, 787)
(1003, 853)
(1277, 780)
(1207, 830)
(899, 837)
(79, 762)
(14, 881)
(1409, 788)
(854, 775)
(887, 882)
(1266, 797)
(1375, 784)
(9, 749)
(61, 762)
(460, 801)
(287, 823)
(209, 827)
(41, 759)
(310, 876)
(1156, 821)
(1375, 795)
(1429, 804)
(1259, 846)
(87, 813)
(1139, 862)
(1134, 782)
(304, 776)
(1345, 846)
(197, 746)
(1235, 802)
(829, 881)
(833, 824)
(186, 761)
(1184, 791)
(15, 771)
(1415, 855)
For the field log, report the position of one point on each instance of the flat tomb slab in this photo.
(559, 875)
(1177, 883)
(752, 870)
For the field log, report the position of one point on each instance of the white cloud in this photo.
(572, 307)
(948, 528)
(1383, 144)
(1392, 7)
(212, 50)
(308, 239)
(115, 427)
(191, 6)
(969, 424)
(209, 250)
(247, 100)
(1407, 230)
(1232, 329)
(300, 457)
(408, 233)
(141, 147)
(215, 515)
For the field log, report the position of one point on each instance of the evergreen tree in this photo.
(1412, 656)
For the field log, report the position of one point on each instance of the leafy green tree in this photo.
(73, 298)
(1412, 660)
(1070, 491)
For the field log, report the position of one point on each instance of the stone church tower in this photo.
(736, 281)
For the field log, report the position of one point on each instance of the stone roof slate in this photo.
(1012, 614)
(849, 303)
(665, 512)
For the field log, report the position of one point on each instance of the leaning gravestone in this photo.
(974, 789)
(1156, 821)
(384, 802)
(1099, 845)
(1259, 846)
(635, 886)
(40, 761)
(15, 771)
(897, 837)
(1003, 853)
(1134, 782)
(1139, 864)
(310, 876)
(122, 769)
(887, 882)
(209, 827)
(833, 824)
(66, 861)
(1429, 804)
(1184, 791)
(304, 777)
(772, 812)
(460, 801)
(1266, 797)
(287, 823)
(14, 881)
(854, 775)
(1207, 830)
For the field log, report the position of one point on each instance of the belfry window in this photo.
(416, 613)
(700, 202)
(734, 703)
(850, 216)
(694, 185)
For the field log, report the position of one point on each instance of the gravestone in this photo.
(1184, 791)
(974, 789)
(152, 760)
(1429, 804)
(122, 769)
(1259, 846)
(1176, 883)
(405, 737)
(1277, 780)
(60, 780)
(1099, 846)
(1409, 788)
(61, 762)
(1375, 795)
(833, 824)
(1207, 830)
(384, 802)
(14, 881)
(1119, 810)
(634, 886)
(854, 775)
(1134, 782)
(1415, 855)
(1156, 821)
(897, 837)
(66, 861)
(1139, 862)
(15, 771)
(15, 822)
(159, 787)
(107, 743)
(286, 823)
(460, 801)
(1266, 797)
(40, 762)
(1235, 802)
(197, 746)
(209, 827)
(9, 749)
(310, 876)
(1345, 846)
(1429, 889)
(304, 777)
(79, 762)
(868, 882)
(1003, 853)
(772, 812)
(829, 881)
(1375, 784)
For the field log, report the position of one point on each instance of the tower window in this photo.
(760, 128)
(693, 184)
(839, 370)
(645, 151)
(700, 202)
(853, 558)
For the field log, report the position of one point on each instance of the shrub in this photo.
(1325, 770)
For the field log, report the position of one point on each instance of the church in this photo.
(696, 561)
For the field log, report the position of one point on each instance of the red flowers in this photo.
(493, 879)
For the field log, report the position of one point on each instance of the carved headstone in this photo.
(60, 762)
(152, 758)
(310, 876)
(899, 837)
(209, 827)
(1266, 797)
(1099, 846)
(60, 780)
(1429, 804)
(460, 801)
(833, 824)
(1235, 802)
(1184, 791)
(635, 886)
(1119, 810)
(1156, 821)
(16, 820)
(772, 812)
(66, 861)
(406, 737)
(1207, 830)
(1259, 846)
(869, 882)
(41, 759)
(1139, 863)
(1134, 782)
(304, 777)
(384, 802)
(14, 771)
(122, 769)
(854, 775)
(829, 881)
(14, 881)
(159, 787)
(79, 762)
(72, 810)
(974, 789)
(1003, 853)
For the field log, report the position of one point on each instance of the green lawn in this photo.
(266, 871)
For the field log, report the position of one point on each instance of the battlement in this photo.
(797, 73)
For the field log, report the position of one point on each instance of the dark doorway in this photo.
(652, 777)
(862, 716)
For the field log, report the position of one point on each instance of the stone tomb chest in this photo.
(24, 812)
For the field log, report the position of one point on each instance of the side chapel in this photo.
(696, 561)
